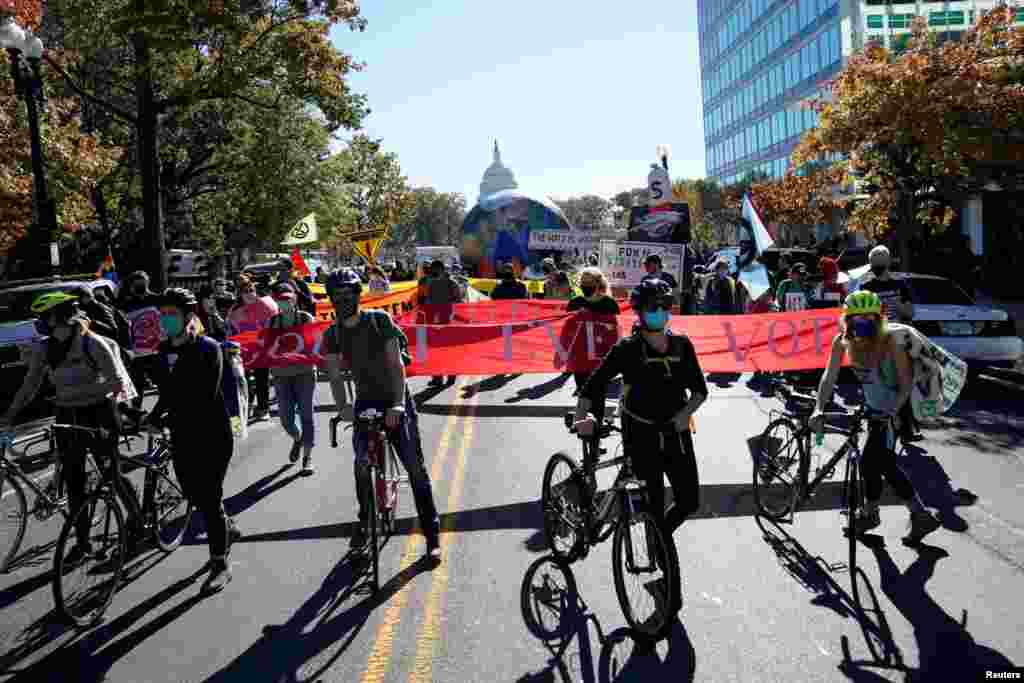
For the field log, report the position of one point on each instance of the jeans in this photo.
(656, 454)
(879, 460)
(406, 442)
(295, 395)
(261, 385)
(73, 445)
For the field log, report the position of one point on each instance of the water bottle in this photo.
(819, 438)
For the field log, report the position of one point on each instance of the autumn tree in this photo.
(74, 161)
(373, 188)
(434, 218)
(587, 212)
(926, 128)
(160, 59)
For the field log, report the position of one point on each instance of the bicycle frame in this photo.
(49, 498)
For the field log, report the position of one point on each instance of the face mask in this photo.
(171, 324)
(878, 270)
(656, 320)
(346, 306)
(863, 328)
(286, 309)
(588, 291)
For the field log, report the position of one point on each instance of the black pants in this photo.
(201, 469)
(143, 367)
(656, 455)
(908, 423)
(879, 460)
(261, 385)
(73, 446)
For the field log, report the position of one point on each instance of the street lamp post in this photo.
(26, 51)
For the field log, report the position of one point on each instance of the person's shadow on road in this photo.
(287, 652)
(556, 615)
(947, 651)
(936, 489)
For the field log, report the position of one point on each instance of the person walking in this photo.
(294, 385)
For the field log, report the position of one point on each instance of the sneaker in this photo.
(220, 576)
(296, 451)
(78, 553)
(921, 524)
(434, 549)
(307, 467)
(436, 382)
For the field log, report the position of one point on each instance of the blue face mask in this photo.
(863, 328)
(171, 324)
(656, 320)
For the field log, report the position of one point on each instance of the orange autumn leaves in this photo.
(74, 161)
(947, 110)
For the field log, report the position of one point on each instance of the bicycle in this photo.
(785, 444)
(49, 499)
(573, 507)
(383, 465)
(165, 517)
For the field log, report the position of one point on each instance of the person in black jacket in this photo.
(508, 287)
(192, 406)
(101, 317)
(134, 295)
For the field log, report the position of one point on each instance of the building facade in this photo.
(761, 58)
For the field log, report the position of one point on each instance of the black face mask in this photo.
(878, 270)
(346, 306)
(588, 291)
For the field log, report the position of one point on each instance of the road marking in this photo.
(429, 633)
(380, 656)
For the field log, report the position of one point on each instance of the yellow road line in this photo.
(380, 656)
(430, 631)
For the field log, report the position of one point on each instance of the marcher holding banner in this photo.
(585, 343)
(294, 385)
(885, 371)
(139, 305)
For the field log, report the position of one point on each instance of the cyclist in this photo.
(664, 388)
(369, 343)
(884, 370)
(192, 405)
(83, 371)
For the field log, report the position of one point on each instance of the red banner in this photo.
(736, 343)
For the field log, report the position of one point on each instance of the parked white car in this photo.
(980, 335)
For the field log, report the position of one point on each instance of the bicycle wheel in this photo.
(641, 558)
(562, 502)
(84, 589)
(778, 469)
(171, 511)
(373, 521)
(13, 520)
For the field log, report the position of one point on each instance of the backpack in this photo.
(129, 392)
(939, 376)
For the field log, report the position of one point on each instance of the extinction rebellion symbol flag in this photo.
(303, 232)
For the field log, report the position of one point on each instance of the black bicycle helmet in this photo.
(180, 298)
(344, 278)
(648, 292)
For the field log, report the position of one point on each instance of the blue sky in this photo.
(578, 94)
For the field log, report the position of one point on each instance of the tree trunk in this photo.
(154, 248)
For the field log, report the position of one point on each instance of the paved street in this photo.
(761, 603)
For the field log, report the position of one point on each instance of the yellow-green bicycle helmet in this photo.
(862, 303)
(45, 303)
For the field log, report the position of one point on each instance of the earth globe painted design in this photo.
(498, 230)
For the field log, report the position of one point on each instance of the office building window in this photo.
(902, 20)
(955, 19)
(780, 79)
(805, 62)
(937, 19)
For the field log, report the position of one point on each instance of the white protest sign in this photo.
(796, 301)
(563, 240)
(623, 264)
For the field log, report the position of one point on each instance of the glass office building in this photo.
(760, 58)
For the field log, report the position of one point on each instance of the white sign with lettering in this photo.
(623, 264)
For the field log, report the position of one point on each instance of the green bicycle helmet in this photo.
(862, 303)
(45, 303)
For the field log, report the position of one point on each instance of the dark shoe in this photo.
(434, 550)
(436, 382)
(451, 380)
(307, 467)
(296, 451)
(921, 524)
(911, 437)
(866, 522)
(78, 553)
(220, 576)
(358, 540)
